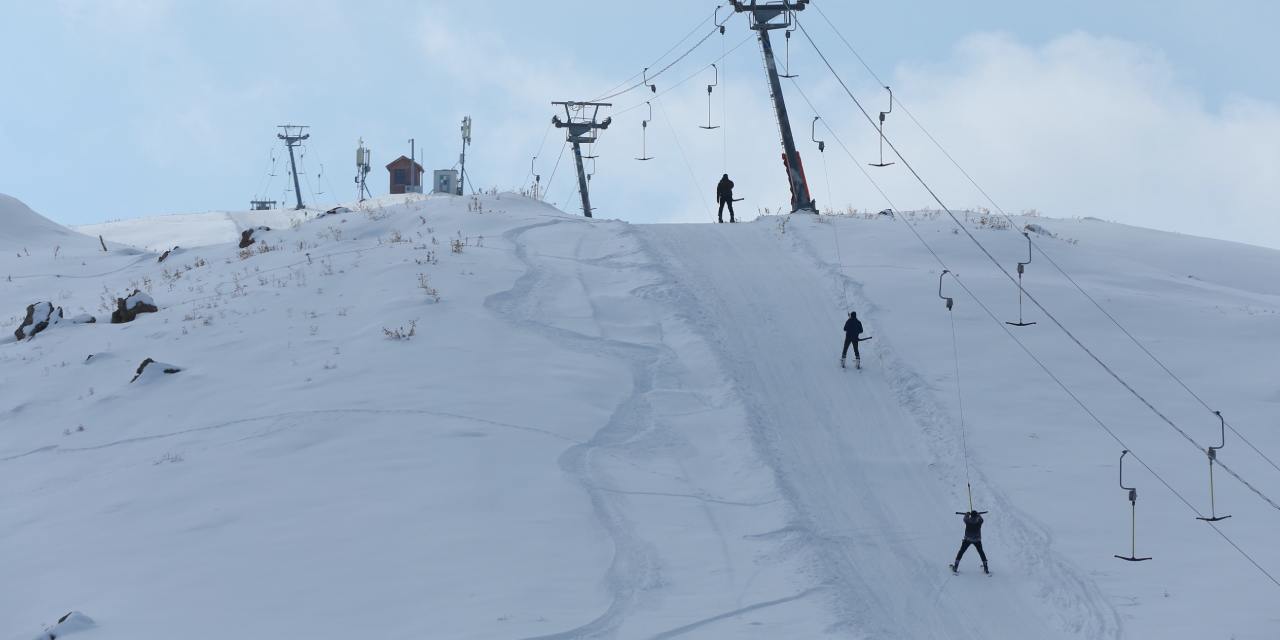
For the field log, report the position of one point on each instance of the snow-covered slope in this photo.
(25, 231)
(158, 233)
(606, 430)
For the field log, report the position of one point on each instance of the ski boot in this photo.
(857, 363)
(984, 569)
(954, 568)
(842, 363)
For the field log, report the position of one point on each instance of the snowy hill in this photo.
(24, 230)
(598, 429)
(157, 233)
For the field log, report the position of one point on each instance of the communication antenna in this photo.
(462, 159)
(293, 136)
(711, 87)
(364, 165)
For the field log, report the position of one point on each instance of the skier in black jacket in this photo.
(724, 195)
(972, 536)
(852, 329)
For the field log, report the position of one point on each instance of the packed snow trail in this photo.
(590, 289)
(850, 459)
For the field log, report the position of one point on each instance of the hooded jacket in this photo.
(724, 190)
(852, 327)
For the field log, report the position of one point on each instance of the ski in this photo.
(956, 571)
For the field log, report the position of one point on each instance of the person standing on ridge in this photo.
(724, 195)
(852, 329)
(972, 536)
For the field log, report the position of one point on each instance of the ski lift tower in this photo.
(765, 17)
(292, 136)
(582, 130)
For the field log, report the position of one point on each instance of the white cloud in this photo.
(1094, 126)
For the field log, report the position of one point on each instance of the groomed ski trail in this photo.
(854, 464)
(591, 289)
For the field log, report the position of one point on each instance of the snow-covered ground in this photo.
(607, 430)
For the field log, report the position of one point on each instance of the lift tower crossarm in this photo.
(581, 130)
(763, 17)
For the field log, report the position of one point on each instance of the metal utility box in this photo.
(446, 181)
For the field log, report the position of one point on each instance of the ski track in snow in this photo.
(830, 434)
(283, 416)
(634, 567)
(635, 579)
(1080, 605)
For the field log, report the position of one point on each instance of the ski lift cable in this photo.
(1071, 335)
(306, 175)
(547, 189)
(1037, 360)
(542, 144)
(955, 350)
(693, 179)
(271, 172)
(1141, 346)
(691, 76)
(724, 108)
(649, 78)
(644, 135)
(655, 63)
(822, 151)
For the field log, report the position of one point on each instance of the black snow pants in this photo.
(977, 544)
(720, 213)
(850, 340)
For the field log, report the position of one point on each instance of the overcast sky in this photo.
(1163, 114)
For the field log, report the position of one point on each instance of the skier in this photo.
(852, 329)
(724, 195)
(972, 536)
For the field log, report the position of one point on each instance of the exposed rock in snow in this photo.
(246, 236)
(70, 623)
(40, 316)
(43, 315)
(164, 256)
(150, 370)
(127, 309)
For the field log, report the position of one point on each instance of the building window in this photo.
(402, 176)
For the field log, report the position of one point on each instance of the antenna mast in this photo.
(462, 159)
(581, 130)
(293, 134)
(363, 166)
(763, 21)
